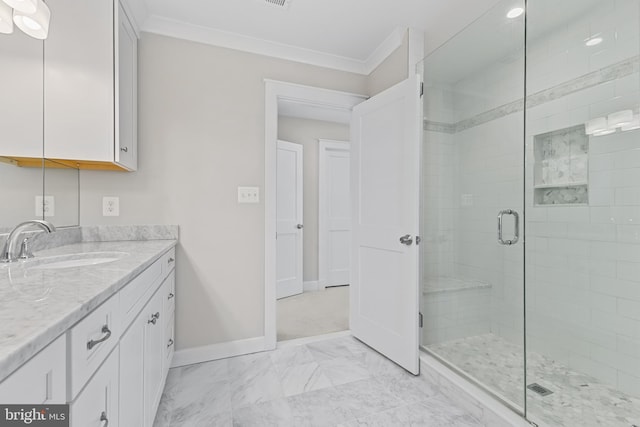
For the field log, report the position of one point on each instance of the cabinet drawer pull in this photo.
(171, 295)
(170, 343)
(124, 149)
(170, 260)
(93, 343)
(154, 318)
(103, 417)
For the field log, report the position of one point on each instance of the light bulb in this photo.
(34, 24)
(6, 22)
(23, 6)
(515, 12)
(594, 41)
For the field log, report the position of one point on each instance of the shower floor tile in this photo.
(578, 400)
(336, 382)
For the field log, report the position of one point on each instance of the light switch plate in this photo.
(110, 206)
(46, 205)
(248, 194)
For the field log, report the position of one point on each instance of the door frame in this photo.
(312, 99)
(325, 145)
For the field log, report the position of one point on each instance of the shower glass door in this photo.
(583, 213)
(473, 180)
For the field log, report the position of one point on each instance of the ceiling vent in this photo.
(279, 3)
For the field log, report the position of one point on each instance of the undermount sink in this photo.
(84, 259)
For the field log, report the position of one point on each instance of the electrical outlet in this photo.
(45, 205)
(110, 206)
(248, 194)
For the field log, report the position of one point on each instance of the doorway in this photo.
(313, 221)
(384, 161)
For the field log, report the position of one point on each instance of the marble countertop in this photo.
(37, 306)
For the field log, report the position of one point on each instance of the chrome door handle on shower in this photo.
(516, 231)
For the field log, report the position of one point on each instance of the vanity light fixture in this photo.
(6, 19)
(515, 12)
(35, 24)
(593, 41)
(23, 6)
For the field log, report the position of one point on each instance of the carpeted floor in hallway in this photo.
(313, 313)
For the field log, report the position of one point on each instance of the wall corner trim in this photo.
(208, 353)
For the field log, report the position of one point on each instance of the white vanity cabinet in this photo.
(144, 361)
(41, 380)
(97, 404)
(90, 91)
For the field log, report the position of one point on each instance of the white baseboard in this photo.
(311, 286)
(207, 353)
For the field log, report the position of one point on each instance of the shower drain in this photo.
(542, 391)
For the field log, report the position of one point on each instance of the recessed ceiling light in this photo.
(594, 41)
(515, 12)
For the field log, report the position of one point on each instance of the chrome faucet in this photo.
(8, 251)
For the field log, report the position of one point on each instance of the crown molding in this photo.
(173, 28)
(386, 48)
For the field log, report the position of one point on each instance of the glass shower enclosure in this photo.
(531, 208)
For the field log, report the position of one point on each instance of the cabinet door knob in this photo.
(103, 417)
(124, 149)
(93, 343)
(171, 295)
(154, 318)
(170, 343)
(170, 260)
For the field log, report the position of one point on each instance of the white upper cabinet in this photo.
(90, 85)
(20, 95)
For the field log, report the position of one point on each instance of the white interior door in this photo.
(385, 153)
(334, 213)
(289, 220)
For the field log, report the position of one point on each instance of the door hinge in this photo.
(421, 320)
(418, 240)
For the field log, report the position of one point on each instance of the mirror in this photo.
(25, 177)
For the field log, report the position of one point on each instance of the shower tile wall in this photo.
(583, 262)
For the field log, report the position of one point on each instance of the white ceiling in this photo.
(352, 35)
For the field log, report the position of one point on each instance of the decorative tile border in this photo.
(604, 75)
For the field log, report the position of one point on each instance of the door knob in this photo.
(406, 240)
(299, 226)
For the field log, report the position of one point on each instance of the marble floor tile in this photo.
(319, 408)
(275, 413)
(298, 379)
(255, 387)
(328, 383)
(367, 397)
(331, 349)
(407, 387)
(215, 371)
(343, 370)
(290, 356)
(416, 414)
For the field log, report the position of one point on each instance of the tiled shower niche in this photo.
(561, 167)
